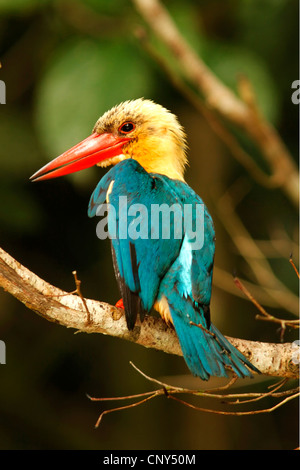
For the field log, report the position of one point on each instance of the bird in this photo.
(146, 147)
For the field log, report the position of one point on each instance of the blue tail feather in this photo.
(207, 352)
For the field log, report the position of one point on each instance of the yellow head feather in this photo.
(157, 141)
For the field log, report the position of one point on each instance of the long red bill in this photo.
(89, 152)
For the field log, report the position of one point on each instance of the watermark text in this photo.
(2, 352)
(162, 221)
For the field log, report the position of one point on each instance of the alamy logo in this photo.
(2, 352)
(2, 92)
(296, 94)
(296, 352)
(161, 221)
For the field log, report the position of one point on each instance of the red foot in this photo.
(120, 304)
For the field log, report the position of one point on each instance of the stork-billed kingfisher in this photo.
(147, 147)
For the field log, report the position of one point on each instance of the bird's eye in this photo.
(126, 127)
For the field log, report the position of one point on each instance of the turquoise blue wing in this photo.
(141, 256)
(197, 254)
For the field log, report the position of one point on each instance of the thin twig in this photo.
(151, 379)
(295, 269)
(236, 413)
(223, 280)
(262, 395)
(226, 398)
(127, 397)
(125, 407)
(265, 315)
(78, 292)
(254, 257)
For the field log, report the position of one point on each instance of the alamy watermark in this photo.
(296, 352)
(2, 92)
(296, 94)
(2, 352)
(161, 221)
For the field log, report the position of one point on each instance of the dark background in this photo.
(65, 63)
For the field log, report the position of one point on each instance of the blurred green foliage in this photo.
(77, 88)
(64, 63)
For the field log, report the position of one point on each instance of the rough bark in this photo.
(69, 310)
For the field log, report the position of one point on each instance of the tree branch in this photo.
(69, 310)
(240, 111)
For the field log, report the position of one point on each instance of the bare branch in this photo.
(242, 112)
(218, 395)
(264, 314)
(223, 280)
(294, 267)
(215, 122)
(254, 257)
(60, 307)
